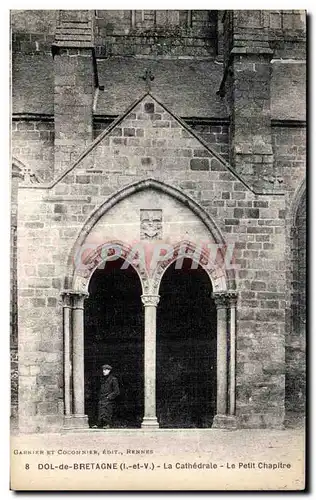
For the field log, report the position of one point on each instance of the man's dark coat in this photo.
(109, 390)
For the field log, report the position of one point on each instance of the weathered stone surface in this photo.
(150, 143)
(199, 164)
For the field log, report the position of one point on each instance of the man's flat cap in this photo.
(106, 367)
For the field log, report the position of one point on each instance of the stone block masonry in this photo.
(156, 33)
(73, 98)
(33, 145)
(215, 134)
(86, 152)
(289, 146)
(137, 148)
(74, 83)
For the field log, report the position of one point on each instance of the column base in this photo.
(150, 423)
(76, 422)
(225, 422)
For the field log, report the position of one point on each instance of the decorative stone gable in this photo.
(148, 140)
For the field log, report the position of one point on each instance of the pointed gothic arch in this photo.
(124, 193)
(76, 290)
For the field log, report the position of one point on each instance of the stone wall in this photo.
(215, 134)
(156, 33)
(289, 147)
(149, 142)
(14, 376)
(34, 21)
(101, 124)
(263, 53)
(73, 100)
(284, 30)
(14, 356)
(33, 145)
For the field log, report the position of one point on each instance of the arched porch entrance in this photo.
(166, 201)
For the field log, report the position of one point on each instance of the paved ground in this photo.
(242, 459)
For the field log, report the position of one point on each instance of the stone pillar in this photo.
(232, 297)
(246, 86)
(67, 320)
(74, 86)
(150, 419)
(222, 339)
(79, 419)
(222, 418)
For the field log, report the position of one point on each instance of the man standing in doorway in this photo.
(109, 390)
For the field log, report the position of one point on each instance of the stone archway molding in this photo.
(76, 290)
(188, 250)
(108, 251)
(297, 198)
(125, 192)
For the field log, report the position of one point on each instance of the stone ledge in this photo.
(54, 199)
(252, 51)
(73, 44)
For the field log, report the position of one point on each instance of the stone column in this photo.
(232, 297)
(222, 418)
(79, 419)
(150, 419)
(67, 318)
(221, 305)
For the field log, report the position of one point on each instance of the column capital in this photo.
(150, 300)
(225, 299)
(232, 298)
(221, 300)
(78, 299)
(66, 298)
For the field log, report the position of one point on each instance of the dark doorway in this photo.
(186, 349)
(114, 335)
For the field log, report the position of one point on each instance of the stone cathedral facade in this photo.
(182, 131)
